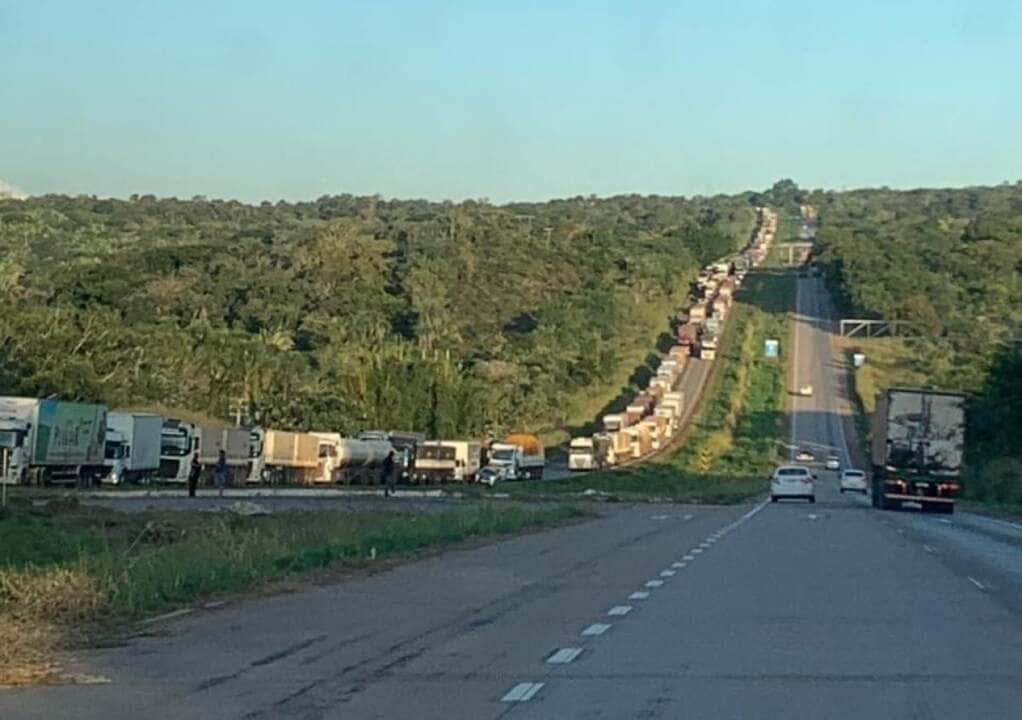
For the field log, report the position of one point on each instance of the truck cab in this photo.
(115, 454)
(179, 442)
(14, 450)
(581, 454)
(507, 458)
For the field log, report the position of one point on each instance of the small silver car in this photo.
(853, 480)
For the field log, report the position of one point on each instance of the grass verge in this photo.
(64, 568)
(734, 438)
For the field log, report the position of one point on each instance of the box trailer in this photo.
(51, 441)
(918, 442)
(133, 447)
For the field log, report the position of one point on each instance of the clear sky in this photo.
(506, 100)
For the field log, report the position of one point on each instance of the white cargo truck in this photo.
(51, 441)
(439, 461)
(133, 447)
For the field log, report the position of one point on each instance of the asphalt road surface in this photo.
(785, 610)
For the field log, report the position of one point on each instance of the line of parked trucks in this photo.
(654, 415)
(51, 441)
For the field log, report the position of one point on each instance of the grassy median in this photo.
(64, 567)
(734, 437)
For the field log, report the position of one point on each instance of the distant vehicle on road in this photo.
(806, 391)
(792, 481)
(804, 456)
(833, 462)
(491, 475)
(853, 481)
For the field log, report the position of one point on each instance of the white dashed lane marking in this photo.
(639, 595)
(929, 548)
(678, 565)
(977, 583)
(619, 610)
(522, 692)
(564, 656)
(596, 629)
(654, 583)
(689, 558)
(696, 550)
(666, 573)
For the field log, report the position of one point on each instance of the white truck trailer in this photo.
(51, 441)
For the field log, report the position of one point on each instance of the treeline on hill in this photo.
(347, 312)
(951, 261)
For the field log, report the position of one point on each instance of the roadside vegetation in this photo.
(348, 313)
(949, 261)
(66, 570)
(735, 436)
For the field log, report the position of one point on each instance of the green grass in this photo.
(64, 569)
(735, 434)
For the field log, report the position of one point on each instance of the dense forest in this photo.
(951, 262)
(347, 312)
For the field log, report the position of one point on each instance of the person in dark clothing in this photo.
(220, 474)
(388, 474)
(193, 475)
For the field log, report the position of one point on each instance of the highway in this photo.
(762, 610)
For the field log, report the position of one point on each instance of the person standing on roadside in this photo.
(220, 474)
(388, 474)
(193, 475)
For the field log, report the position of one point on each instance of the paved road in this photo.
(761, 611)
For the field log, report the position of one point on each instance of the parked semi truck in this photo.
(589, 453)
(133, 447)
(51, 441)
(918, 439)
(352, 460)
(447, 461)
(179, 443)
(237, 444)
(518, 457)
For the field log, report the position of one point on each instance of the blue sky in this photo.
(506, 100)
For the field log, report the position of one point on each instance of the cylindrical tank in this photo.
(362, 453)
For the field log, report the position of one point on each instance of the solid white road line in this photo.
(667, 573)
(168, 616)
(564, 656)
(619, 610)
(638, 595)
(596, 629)
(977, 583)
(522, 692)
(654, 583)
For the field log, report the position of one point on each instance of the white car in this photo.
(792, 481)
(804, 456)
(833, 462)
(853, 481)
(806, 391)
